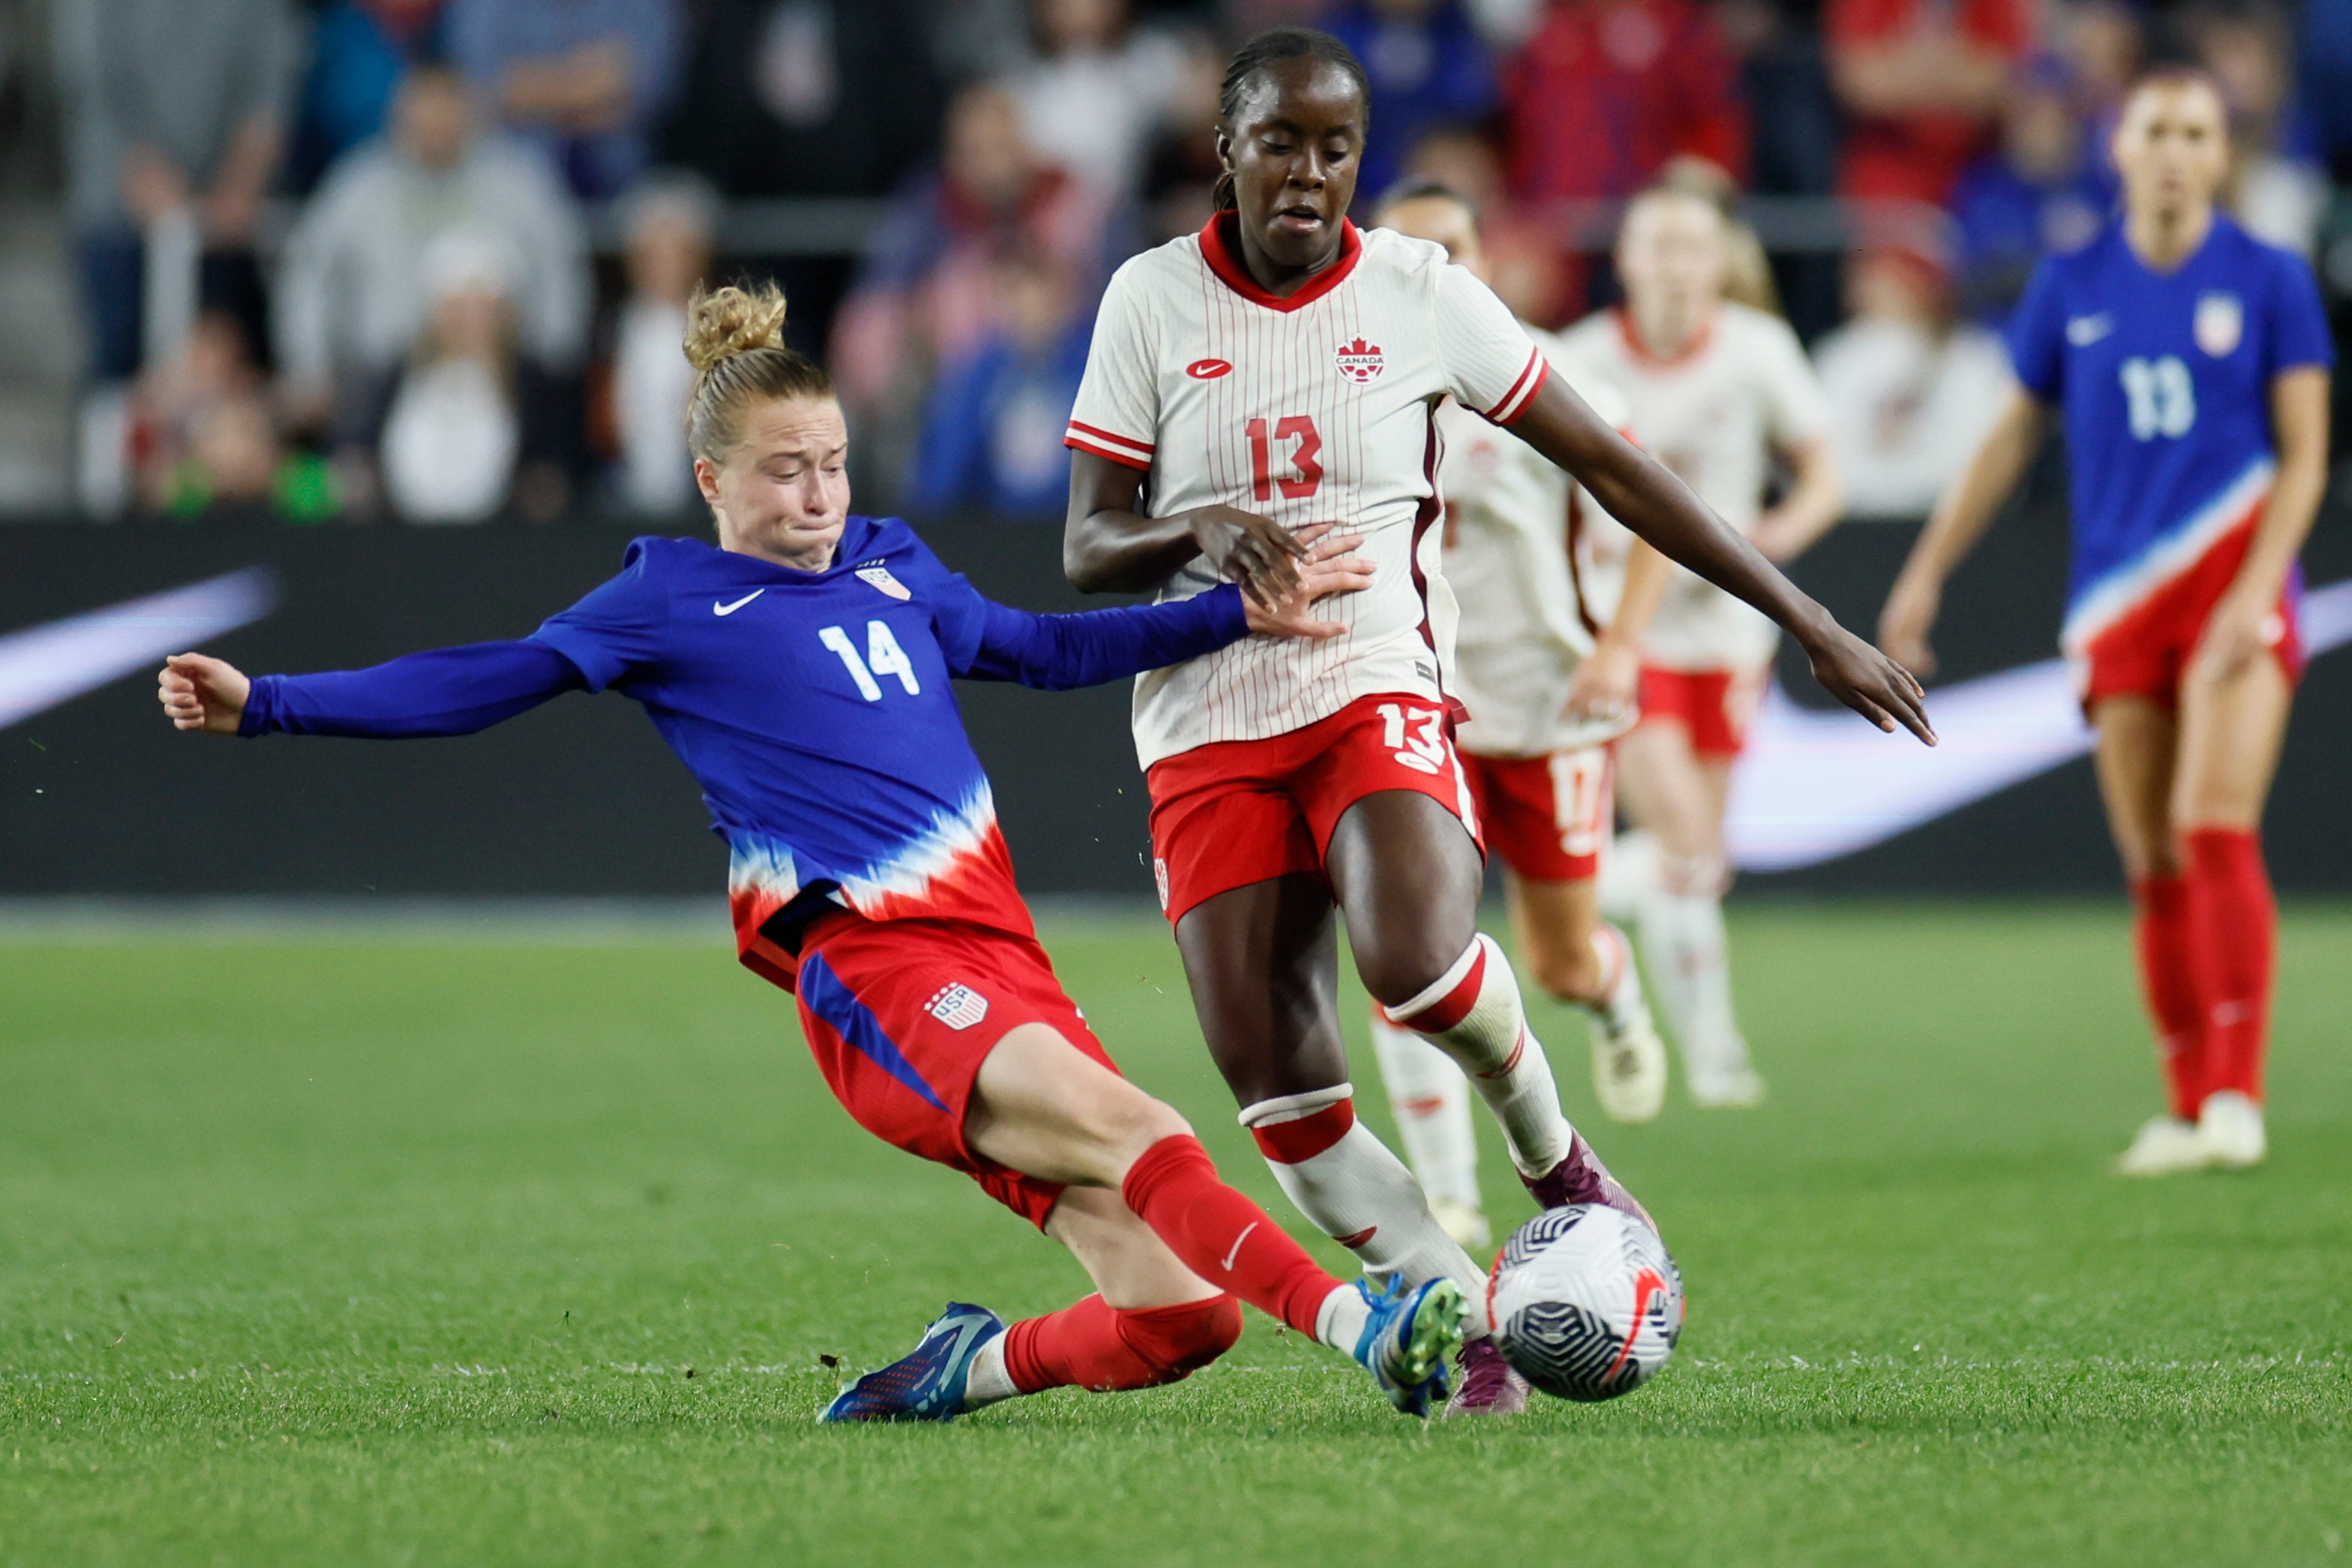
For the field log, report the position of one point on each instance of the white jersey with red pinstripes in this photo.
(1537, 568)
(1320, 407)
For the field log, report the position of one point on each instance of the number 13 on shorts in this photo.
(1417, 736)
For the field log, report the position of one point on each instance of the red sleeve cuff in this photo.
(1523, 391)
(1103, 442)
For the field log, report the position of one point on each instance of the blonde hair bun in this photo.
(724, 322)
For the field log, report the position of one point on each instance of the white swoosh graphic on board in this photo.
(1817, 784)
(44, 666)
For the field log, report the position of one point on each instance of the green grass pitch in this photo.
(396, 1252)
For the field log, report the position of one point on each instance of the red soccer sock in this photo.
(2167, 978)
(1223, 1237)
(1094, 1346)
(2234, 922)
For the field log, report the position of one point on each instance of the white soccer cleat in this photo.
(1628, 1065)
(2167, 1146)
(1732, 1086)
(2232, 1128)
(1465, 1223)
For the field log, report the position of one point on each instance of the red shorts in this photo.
(2143, 651)
(1235, 811)
(1546, 816)
(1716, 706)
(900, 1014)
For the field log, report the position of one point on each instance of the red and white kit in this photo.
(1320, 407)
(1538, 569)
(1714, 414)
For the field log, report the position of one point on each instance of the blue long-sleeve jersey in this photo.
(814, 706)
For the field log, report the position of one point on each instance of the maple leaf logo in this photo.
(1359, 360)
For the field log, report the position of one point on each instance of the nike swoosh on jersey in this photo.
(1817, 784)
(2085, 330)
(44, 666)
(718, 609)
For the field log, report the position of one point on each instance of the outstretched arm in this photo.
(448, 691)
(1966, 509)
(1054, 653)
(1636, 489)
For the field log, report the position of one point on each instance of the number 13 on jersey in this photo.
(1303, 457)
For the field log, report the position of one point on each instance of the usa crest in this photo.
(958, 1006)
(1360, 362)
(2220, 323)
(879, 577)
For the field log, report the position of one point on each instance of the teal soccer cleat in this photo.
(1410, 1339)
(927, 1384)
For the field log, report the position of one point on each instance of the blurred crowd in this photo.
(430, 258)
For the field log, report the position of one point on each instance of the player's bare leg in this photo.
(2138, 741)
(2232, 728)
(1408, 876)
(1168, 1245)
(1577, 957)
(1262, 963)
(1678, 799)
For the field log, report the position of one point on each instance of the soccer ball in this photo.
(1585, 1302)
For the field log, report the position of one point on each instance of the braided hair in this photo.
(1270, 48)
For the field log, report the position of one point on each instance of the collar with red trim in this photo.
(1695, 346)
(1221, 253)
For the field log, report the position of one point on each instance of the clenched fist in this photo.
(200, 693)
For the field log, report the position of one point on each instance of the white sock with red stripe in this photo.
(1473, 1014)
(1432, 1102)
(1355, 1191)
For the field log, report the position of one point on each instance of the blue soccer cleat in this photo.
(928, 1384)
(1410, 1339)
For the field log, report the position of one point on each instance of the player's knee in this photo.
(1398, 972)
(1174, 1343)
(1703, 875)
(1130, 1121)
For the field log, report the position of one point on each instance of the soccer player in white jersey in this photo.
(1547, 661)
(1718, 393)
(1279, 368)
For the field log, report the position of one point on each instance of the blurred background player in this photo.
(2192, 362)
(1718, 392)
(1277, 370)
(868, 876)
(1547, 661)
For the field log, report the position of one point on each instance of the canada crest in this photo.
(2220, 323)
(1360, 362)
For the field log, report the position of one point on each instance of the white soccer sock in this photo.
(1339, 1321)
(1683, 934)
(1473, 1013)
(1344, 1180)
(1431, 1103)
(987, 1382)
(1629, 873)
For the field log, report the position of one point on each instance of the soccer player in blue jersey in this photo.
(802, 672)
(2191, 364)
